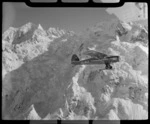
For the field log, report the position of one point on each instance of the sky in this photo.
(130, 11)
(16, 14)
(73, 19)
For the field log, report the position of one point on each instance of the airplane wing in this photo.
(95, 54)
(107, 60)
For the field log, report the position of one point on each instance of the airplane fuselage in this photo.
(108, 59)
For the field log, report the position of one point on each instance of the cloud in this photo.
(128, 12)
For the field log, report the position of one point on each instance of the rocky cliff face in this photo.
(39, 81)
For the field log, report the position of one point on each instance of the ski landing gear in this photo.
(108, 66)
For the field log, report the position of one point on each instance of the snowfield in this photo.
(39, 82)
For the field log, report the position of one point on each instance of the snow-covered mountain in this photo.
(25, 43)
(39, 82)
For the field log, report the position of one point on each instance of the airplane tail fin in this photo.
(75, 58)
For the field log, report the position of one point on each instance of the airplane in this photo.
(96, 58)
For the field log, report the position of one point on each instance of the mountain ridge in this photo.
(39, 81)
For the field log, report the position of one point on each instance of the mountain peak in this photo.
(25, 28)
(40, 27)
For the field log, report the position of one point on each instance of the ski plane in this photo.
(96, 58)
